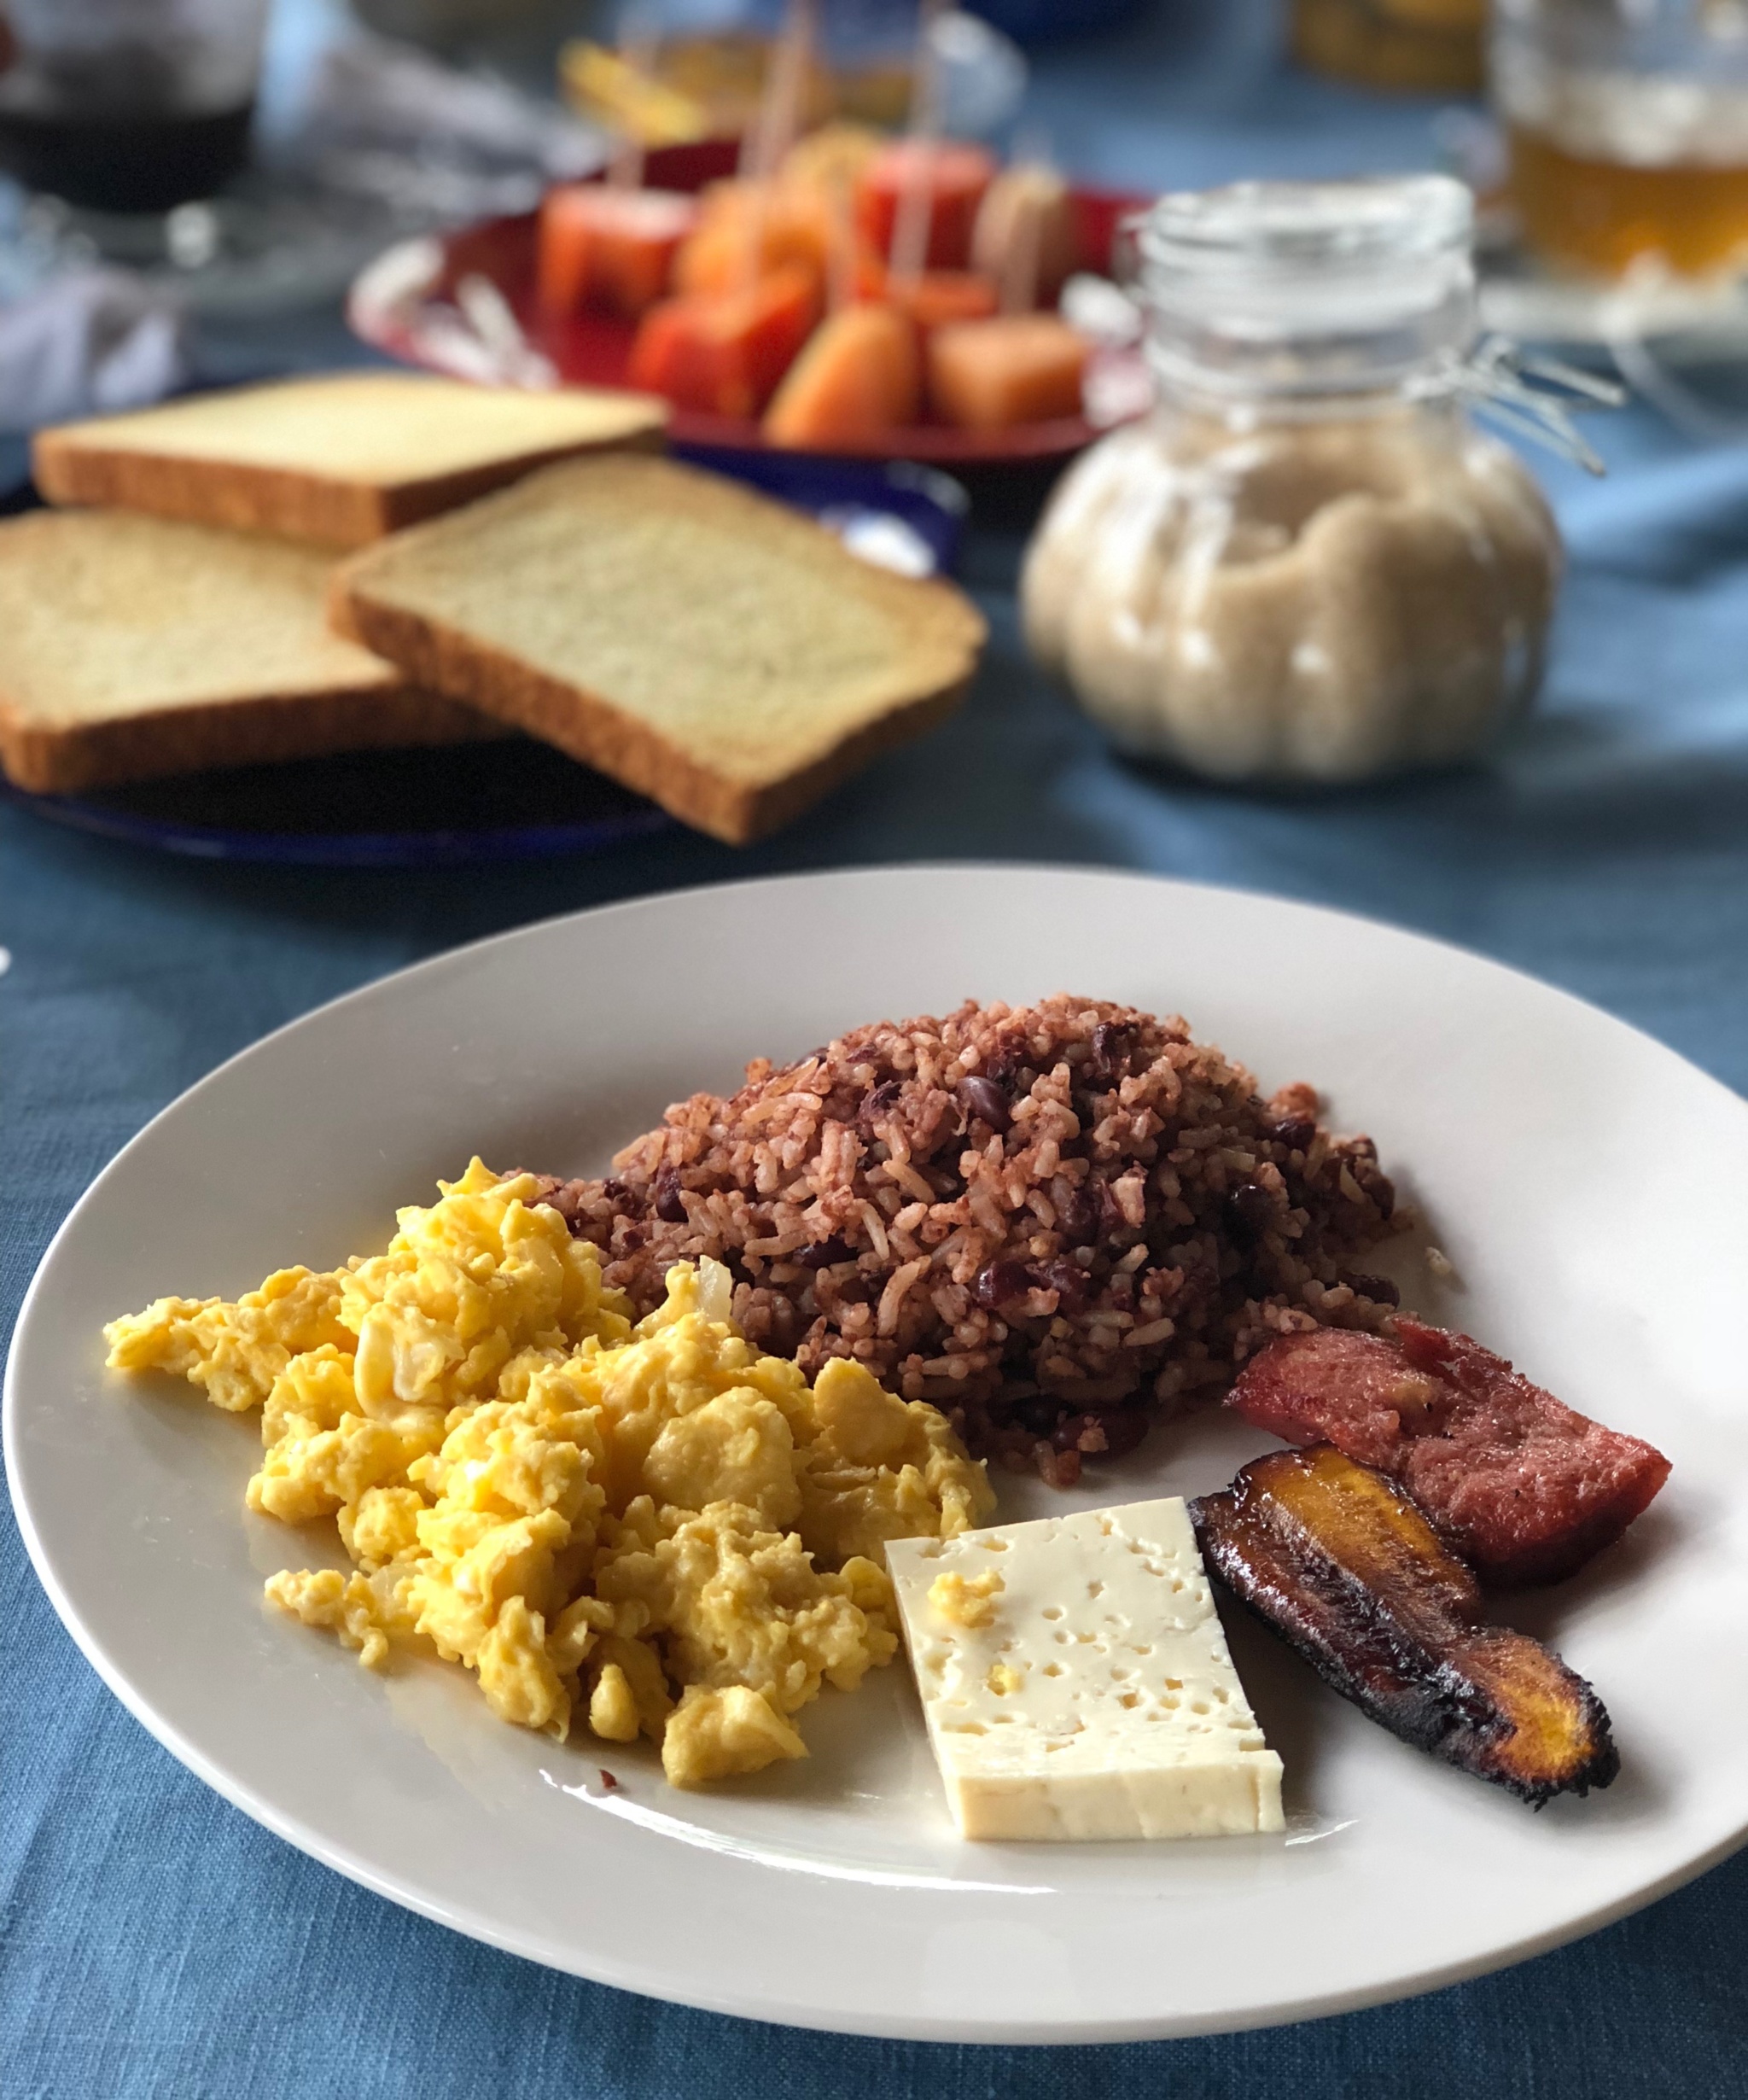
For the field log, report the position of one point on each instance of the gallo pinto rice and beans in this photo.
(1059, 1223)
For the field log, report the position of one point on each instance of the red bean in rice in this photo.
(1059, 1223)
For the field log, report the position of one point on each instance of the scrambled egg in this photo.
(654, 1525)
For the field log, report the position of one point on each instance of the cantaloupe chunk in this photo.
(610, 249)
(954, 178)
(939, 297)
(724, 354)
(860, 375)
(1017, 368)
(746, 230)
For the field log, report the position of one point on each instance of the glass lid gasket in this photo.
(1304, 289)
(1244, 228)
(1305, 258)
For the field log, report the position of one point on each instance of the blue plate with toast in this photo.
(512, 798)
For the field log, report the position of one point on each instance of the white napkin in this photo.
(382, 120)
(88, 341)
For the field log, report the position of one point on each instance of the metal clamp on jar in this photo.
(1306, 563)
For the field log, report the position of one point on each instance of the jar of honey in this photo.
(1627, 126)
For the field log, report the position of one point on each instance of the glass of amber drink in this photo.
(1628, 127)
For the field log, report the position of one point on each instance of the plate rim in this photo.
(597, 1965)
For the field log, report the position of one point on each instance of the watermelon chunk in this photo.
(610, 249)
(723, 355)
(954, 178)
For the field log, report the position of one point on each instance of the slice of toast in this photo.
(715, 651)
(341, 460)
(130, 647)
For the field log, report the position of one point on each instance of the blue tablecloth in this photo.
(153, 1941)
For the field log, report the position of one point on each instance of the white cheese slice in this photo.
(1089, 1692)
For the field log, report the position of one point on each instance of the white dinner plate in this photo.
(1590, 1189)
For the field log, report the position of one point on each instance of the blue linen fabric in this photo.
(154, 1942)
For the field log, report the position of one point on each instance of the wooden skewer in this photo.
(780, 106)
(840, 271)
(778, 120)
(1022, 265)
(914, 219)
(639, 42)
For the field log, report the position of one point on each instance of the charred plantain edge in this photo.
(1435, 1727)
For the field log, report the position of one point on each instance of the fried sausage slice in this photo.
(1345, 1569)
(1526, 1487)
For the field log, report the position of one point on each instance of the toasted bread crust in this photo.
(589, 727)
(257, 729)
(132, 648)
(71, 468)
(538, 651)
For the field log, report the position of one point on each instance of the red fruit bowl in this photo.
(392, 303)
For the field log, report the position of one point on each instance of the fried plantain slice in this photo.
(1344, 1567)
